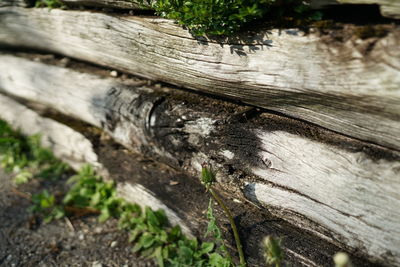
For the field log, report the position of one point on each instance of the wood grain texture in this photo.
(337, 188)
(350, 87)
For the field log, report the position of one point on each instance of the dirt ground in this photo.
(25, 241)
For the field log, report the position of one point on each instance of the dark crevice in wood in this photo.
(356, 14)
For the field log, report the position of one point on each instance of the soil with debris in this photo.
(27, 241)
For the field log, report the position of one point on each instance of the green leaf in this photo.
(206, 247)
(23, 177)
(134, 234)
(159, 256)
(146, 240)
(104, 214)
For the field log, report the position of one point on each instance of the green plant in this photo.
(273, 252)
(215, 232)
(149, 230)
(45, 203)
(225, 17)
(208, 178)
(49, 3)
(89, 191)
(215, 17)
(25, 156)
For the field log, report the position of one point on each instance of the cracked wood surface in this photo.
(343, 190)
(350, 87)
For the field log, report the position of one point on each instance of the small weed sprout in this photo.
(214, 231)
(49, 3)
(26, 158)
(208, 179)
(273, 252)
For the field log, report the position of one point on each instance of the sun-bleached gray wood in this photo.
(351, 87)
(337, 190)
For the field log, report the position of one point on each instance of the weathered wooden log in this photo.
(344, 190)
(150, 184)
(348, 86)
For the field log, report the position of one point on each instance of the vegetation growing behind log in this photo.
(220, 17)
(224, 17)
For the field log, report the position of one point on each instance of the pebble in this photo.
(114, 73)
(97, 264)
(81, 237)
(98, 230)
(114, 244)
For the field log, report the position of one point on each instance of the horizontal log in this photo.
(149, 184)
(350, 87)
(344, 190)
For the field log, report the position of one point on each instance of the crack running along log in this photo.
(348, 86)
(341, 189)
